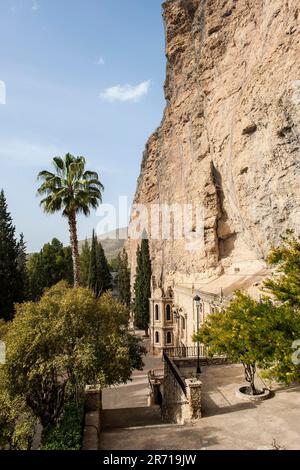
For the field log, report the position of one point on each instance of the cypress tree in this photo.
(85, 260)
(285, 287)
(22, 268)
(68, 274)
(142, 287)
(37, 276)
(93, 271)
(105, 279)
(10, 280)
(100, 279)
(123, 279)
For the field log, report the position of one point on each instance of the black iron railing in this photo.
(175, 373)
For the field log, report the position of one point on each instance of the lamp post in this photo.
(176, 318)
(197, 301)
(175, 313)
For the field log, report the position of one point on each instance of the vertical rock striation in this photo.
(230, 134)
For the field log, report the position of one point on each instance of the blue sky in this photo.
(81, 76)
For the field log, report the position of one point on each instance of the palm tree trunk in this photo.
(74, 246)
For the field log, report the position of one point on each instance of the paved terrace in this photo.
(228, 422)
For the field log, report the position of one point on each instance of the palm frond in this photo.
(84, 210)
(93, 175)
(68, 160)
(82, 160)
(71, 187)
(59, 165)
(96, 183)
(45, 175)
(51, 205)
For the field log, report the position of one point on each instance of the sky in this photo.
(78, 76)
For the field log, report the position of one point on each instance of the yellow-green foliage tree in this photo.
(285, 285)
(237, 333)
(67, 340)
(17, 422)
(264, 333)
(4, 326)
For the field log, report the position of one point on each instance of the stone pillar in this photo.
(194, 387)
(93, 418)
(93, 399)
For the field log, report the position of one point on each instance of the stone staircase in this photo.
(131, 417)
(133, 428)
(127, 422)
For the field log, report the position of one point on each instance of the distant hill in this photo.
(112, 242)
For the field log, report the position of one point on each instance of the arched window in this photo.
(168, 313)
(183, 323)
(156, 312)
(169, 337)
(157, 337)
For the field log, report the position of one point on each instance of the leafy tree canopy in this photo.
(17, 422)
(256, 334)
(47, 268)
(68, 339)
(285, 284)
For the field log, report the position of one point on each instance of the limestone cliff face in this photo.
(230, 135)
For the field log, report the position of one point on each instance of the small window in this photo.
(156, 312)
(157, 337)
(183, 323)
(169, 337)
(168, 313)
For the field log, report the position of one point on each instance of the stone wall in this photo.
(179, 407)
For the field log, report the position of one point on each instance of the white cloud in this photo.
(35, 6)
(126, 92)
(100, 61)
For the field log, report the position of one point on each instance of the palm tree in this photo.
(73, 190)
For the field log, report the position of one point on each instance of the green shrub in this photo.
(68, 337)
(67, 435)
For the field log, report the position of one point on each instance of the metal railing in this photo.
(186, 352)
(175, 373)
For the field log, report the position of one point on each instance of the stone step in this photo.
(131, 417)
(149, 438)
